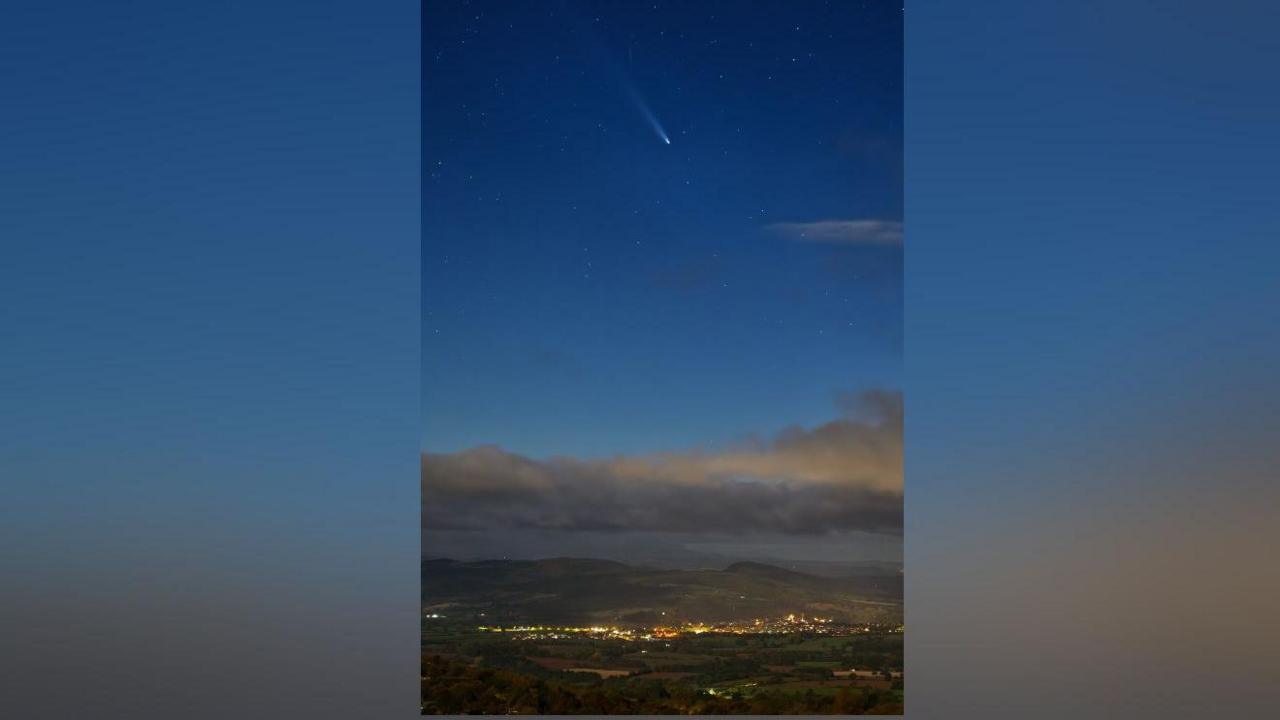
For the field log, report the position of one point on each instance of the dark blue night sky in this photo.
(589, 289)
(662, 276)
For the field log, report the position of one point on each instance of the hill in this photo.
(578, 590)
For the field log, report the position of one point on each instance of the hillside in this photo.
(572, 590)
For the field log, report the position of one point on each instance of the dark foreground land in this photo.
(493, 657)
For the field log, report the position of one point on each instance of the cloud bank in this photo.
(841, 476)
(842, 232)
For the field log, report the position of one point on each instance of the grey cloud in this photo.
(842, 232)
(840, 476)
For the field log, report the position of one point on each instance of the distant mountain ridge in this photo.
(594, 590)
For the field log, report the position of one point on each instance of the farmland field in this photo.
(703, 673)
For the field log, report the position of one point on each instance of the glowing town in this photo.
(791, 623)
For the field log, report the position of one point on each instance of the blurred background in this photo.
(209, 359)
(1092, 340)
(208, 380)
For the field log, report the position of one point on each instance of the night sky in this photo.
(662, 279)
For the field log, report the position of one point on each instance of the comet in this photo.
(652, 119)
(606, 59)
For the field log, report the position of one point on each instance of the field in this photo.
(583, 636)
(468, 670)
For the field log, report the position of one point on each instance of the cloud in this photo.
(841, 476)
(842, 232)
